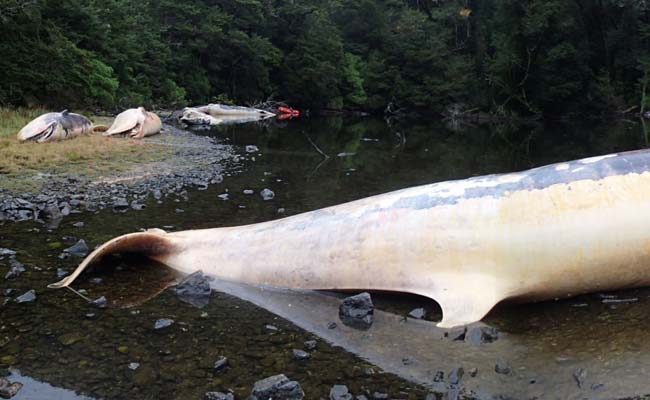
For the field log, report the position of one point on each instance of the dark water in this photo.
(577, 348)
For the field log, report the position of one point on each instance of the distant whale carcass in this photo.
(545, 233)
(55, 126)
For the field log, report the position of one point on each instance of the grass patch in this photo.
(91, 156)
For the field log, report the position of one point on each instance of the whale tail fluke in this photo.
(150, 243)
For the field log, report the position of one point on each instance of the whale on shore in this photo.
(55, 126)
(549, 232)
(135, 122)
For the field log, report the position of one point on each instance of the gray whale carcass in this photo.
(55, 126)
(550, 232)
(219, 114)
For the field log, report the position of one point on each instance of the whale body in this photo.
(549, 232)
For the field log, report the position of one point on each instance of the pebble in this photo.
(579, 377)
(9, 390)
(311, 344)
(163, 323)
(79, 224)
(251, 148)
(223, 196)
(357, 311)
(133, 366)
(418, 313)
(277, 387)
(502, 367)
(248, 191)
(219, 396)
(221, 363)
(6, 252)
(340, 392)
(456, 375)
(300, 355)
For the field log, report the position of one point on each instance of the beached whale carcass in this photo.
(135, 122)
(549, 232)
(55, 126)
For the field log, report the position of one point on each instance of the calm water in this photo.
(550, 347)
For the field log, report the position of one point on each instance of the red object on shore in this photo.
(288, 110)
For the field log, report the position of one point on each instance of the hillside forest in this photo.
(505, 57)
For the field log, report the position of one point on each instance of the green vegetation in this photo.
(508, 57)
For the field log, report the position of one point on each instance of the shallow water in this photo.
(549, 346)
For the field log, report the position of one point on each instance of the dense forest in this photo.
(508, 57)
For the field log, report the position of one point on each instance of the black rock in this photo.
(455, 376)
(579, 377)
(163, 323)
(26, 297)
(277, 387)
(78, 249)
(15, 269)
(502, 367)
(219, 396)
(357, 311)
(457, 334)
(482, 334)
(418, 313)
(220, 364)
(340, 392)
(100, 302)
(9, 390)
(311, 344)
(267, 194)
(300, 355)
(194, 290)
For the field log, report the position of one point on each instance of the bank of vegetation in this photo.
(506, 57)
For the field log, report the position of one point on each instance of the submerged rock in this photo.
(220, 364)
(100, 302)
(357, 311)
(277, 387)
(15, 269)
(26, 297)
(194, 290)
(267, 194)
(251, 148)
(78, 249)
(6, 252)
(163, 323)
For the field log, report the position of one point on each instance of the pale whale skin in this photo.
(549, 232)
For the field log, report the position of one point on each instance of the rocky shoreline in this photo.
(197, 162)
